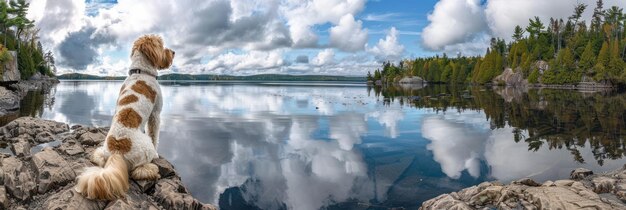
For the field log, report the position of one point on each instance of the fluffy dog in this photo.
(126, 147)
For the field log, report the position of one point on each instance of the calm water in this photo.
(347, 146)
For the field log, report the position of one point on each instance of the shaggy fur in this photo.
(126, 146)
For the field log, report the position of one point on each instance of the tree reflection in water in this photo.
(558, 119)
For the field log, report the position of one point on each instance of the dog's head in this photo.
(152, 47)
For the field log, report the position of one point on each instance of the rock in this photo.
(11, 73)
(172, 195)
(9, 101)
(510, 78)
(527, 194)
(71, 148)
(166, 169)
(527, 182)
(52, 170)
(18, 178)
(603, 184)
(563, 183)
(70, 199)
(21, 148)
(444, 201)
(31, 127)
(580, 173)
(4, 201)
(412, 80)
(45, 180)
(93, 137)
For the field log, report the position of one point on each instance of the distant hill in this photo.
(202, 77)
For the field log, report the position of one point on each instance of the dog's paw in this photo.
(147, 171)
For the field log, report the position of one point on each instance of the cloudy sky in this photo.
(244, 37)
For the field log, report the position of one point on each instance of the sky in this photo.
(300, 37)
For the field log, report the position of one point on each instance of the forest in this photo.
(19, 34)
(575, 51)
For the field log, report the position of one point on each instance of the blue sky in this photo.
(244, 37)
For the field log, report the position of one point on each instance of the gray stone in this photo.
(70, 199)
(18, 178)
(92, 137)
(580, 173)
(527, 182)
(9, 101)
(11, 73)
(52, 170)
(21, 148)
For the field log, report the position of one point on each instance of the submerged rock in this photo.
(45, 179)
(588, 191)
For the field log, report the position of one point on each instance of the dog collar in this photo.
(139, 71)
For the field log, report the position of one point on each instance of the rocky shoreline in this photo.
(11, 95)
(41, 159)
(584, 190)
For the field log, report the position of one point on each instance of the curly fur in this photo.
(127, 147)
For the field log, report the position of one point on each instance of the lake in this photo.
(330, 145)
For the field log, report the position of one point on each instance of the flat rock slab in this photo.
(45, 179)
(585, 191)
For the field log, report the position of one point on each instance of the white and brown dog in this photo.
(126, 147)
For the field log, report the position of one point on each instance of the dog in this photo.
(126, 147)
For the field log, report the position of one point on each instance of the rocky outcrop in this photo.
(584, 190)
(47, 157)
(10, 72)
(510, 78)
(9, 101)
(412, 80)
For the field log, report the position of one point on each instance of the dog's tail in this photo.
(106, 183)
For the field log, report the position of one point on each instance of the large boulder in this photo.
(510, 78)
(412, 80)
(45, 178)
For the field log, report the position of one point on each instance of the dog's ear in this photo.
(152, 47)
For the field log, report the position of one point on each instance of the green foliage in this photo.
(570, 47)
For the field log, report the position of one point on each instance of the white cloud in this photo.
(301, 15)
(253, 60)
(466, 26)
(348, 35)
(453, 22)
(324, 57)
(389, 48)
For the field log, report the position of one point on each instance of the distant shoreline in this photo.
(210, 77)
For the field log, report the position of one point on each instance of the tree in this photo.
(518, 33)
(19, 9)
(535, 27)
(598, 14)
(578, 12)
(588, 59)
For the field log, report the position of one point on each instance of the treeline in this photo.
(18, 33)
(573, 50)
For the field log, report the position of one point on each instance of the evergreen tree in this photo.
(588, 59)
(518, 33)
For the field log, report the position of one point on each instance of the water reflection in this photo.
(277, 146)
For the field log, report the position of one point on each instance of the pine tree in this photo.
(518, 33)
(602, 62)
(588, 59)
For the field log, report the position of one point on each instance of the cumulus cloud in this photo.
(348, 35)
(302, 59)
(453, 22)
(82, 34)
(303, 14)
(252, 60)
(388, 48)
(467, 25)
(324, 57)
